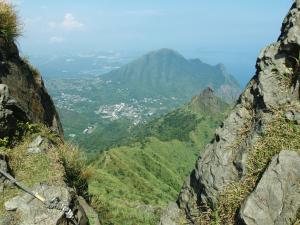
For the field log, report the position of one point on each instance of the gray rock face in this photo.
(4, 94)
(276, 198)
(3, 167)
(32, 212)
(26, 88)
(170, 215)
(92, 214)
(293, 116)
(40, 144)
(10, 113)
(224, 160)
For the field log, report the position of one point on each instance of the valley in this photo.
(135, 123)
(133, 183)
(112, 137)
(100, 111)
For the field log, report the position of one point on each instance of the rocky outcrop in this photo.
(224, 161)
(29, 100)
(85, 207)
(40, 144)
(170, 215)
(32, 211)
(3, 167)
(275, 200)
(207, 103)
(24, 99)
(10, 113)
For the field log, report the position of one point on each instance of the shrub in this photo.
(9, 25)
(77, 172)
(4, 142)
(36, 73)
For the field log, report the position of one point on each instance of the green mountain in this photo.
(100, 112)
(167, 73)
(132, 183)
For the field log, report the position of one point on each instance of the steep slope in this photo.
(132, 183)
(205, 109)
(167, 73)
(240, 178)
(26, 87)
(32, 150)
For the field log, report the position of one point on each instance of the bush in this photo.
(9, 24)
(76, 170)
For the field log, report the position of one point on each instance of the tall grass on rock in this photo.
(76, 170)
(280, 134)
(10, 27)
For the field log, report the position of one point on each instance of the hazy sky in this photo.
(228, 31)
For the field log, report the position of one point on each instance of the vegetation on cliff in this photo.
(279, 134)
(10, 27)
(61, 163)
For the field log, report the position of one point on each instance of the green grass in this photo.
(175, 125)
(149, 173)
(46, 169)
(279, 135)
(9, 24)
(128, 177)
(198, 116)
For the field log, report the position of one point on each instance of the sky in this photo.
(227, 31)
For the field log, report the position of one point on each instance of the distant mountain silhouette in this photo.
(167, 73)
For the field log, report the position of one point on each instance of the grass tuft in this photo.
(10, 27)
(36, 73)
(76, 170)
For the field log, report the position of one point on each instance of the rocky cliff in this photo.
(41, 177)
(23, 92)
(249, 174)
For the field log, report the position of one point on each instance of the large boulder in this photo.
(170, 215)
(33, 212)
(276, 199)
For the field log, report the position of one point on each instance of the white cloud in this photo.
(69, 23)
(56, 40)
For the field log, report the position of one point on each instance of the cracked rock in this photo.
(276, 199)
(33, 212)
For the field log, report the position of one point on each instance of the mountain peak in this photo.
(164, 52)
(221, 66)
(207, 103)
(207, 92)
(164, 72)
